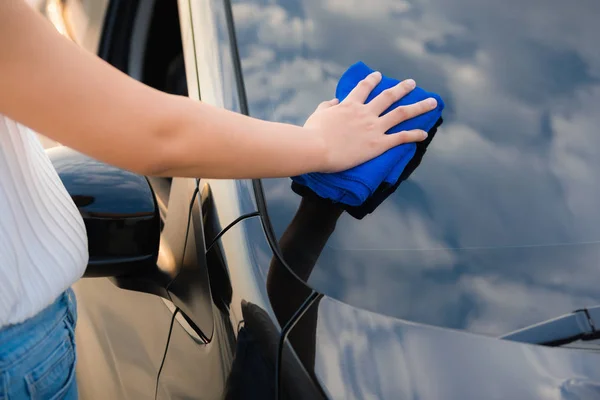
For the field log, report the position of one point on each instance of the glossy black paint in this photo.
(498, 227)
(190, 290)
(118, 210)
(121, 339)
(359, 354)
(355, 353)
(264, 296)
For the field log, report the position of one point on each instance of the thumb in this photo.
(328, 104)
(415, 135)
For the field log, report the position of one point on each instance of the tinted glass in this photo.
(499, 226)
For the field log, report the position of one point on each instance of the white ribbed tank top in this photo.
(43, 242)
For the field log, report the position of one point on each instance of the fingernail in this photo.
(376, 74)
(425, 135)
(431, 102)
(411, 83)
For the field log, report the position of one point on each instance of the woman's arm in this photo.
(58, 89)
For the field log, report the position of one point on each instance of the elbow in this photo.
(168, 145)
(161, 155)
(160, 163)
(154, 169)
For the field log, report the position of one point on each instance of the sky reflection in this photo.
(498, 228)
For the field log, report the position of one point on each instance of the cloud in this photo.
(272, 25)
(503, 304)
(365, 355)
(574, 156)
(367, 9)
(290, 90)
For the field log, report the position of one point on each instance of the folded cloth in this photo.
(354, 186)
(384, 190)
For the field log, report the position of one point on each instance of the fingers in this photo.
(389, 96)
(328, 104)
(364, 88)
(396, 139)
(404, 113)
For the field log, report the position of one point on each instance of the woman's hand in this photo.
(354, 132)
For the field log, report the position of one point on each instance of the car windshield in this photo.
(499, 226)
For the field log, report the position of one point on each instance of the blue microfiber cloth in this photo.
(354, 186)
(384, 190)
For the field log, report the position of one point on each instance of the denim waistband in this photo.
(17, 340)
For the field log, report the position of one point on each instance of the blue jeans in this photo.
(37, 357)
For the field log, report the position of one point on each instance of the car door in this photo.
(122, 334)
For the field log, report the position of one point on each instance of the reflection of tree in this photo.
(301, 245)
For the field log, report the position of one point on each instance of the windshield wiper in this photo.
(583, 324)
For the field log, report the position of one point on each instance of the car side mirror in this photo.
(119, 210)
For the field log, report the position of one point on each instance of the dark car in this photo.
(476, 279)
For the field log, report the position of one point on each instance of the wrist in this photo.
(320, 159)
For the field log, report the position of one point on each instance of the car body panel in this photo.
(194, 369)
(190, 290)
(360, 354)
(498, 227)
(121, 338)
(247, 255)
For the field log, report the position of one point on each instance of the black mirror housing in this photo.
(119, 210)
